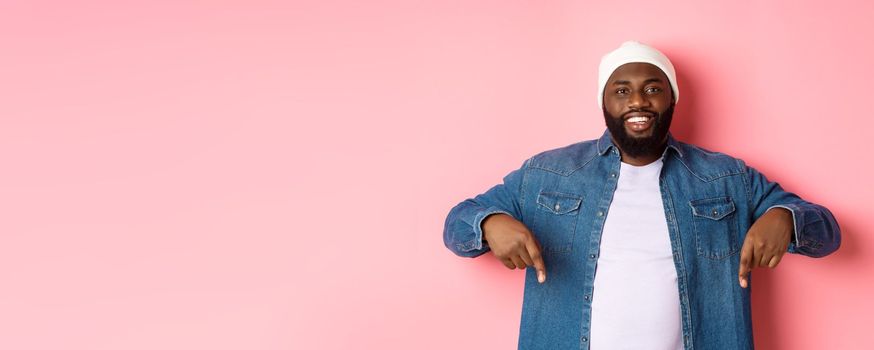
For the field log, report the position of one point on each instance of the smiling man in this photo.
(648, 241)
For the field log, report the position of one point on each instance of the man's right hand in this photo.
(513, 244)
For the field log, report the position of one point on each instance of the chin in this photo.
(639, 137)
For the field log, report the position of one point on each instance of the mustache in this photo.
(650, 112)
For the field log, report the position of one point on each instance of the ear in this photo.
(673, 96)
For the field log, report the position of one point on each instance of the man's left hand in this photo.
(766, 242)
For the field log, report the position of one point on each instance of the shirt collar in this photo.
(606, 142)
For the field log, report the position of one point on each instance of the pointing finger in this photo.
(746, 255)
(537, 259)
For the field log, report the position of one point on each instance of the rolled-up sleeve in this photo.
(816, 232)
(462, 231)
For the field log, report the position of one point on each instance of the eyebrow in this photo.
(650, 80)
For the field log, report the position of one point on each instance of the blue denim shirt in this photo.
(710, 201)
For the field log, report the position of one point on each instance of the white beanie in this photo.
(633, 51)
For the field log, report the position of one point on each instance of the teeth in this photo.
(637, 119)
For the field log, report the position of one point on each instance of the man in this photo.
(648, 242)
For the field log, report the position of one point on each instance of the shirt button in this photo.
(584, 339)
(600, 213)
(557, 207)
(586, 297)
(613, 175)
(592, 256)
(715, 212)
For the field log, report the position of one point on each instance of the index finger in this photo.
(746, 257)
(537, 258)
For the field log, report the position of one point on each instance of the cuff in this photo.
(794, 242)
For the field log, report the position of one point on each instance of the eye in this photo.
(621, 91)
(653, 90)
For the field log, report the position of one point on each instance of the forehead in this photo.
(637, 72)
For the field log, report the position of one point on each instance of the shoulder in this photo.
(566, 159)
(703, 163)
(709, 165)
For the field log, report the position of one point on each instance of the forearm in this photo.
(816, 232)
(462, 231)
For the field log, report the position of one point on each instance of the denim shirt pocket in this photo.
(555, 220)
(715, 226)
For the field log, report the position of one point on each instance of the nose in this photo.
(637, 100)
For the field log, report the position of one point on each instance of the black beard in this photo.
(645, 146)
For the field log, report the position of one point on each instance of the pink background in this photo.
(275, 175)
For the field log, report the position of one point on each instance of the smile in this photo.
(639, 123)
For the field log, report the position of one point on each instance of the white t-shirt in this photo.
(636, 303)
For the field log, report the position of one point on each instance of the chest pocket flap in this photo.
(559, 203)
(712, 208)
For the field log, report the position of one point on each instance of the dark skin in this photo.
(513, 244)
(640, 89)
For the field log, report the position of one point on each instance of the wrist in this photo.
(785, 218)
(487, 222)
